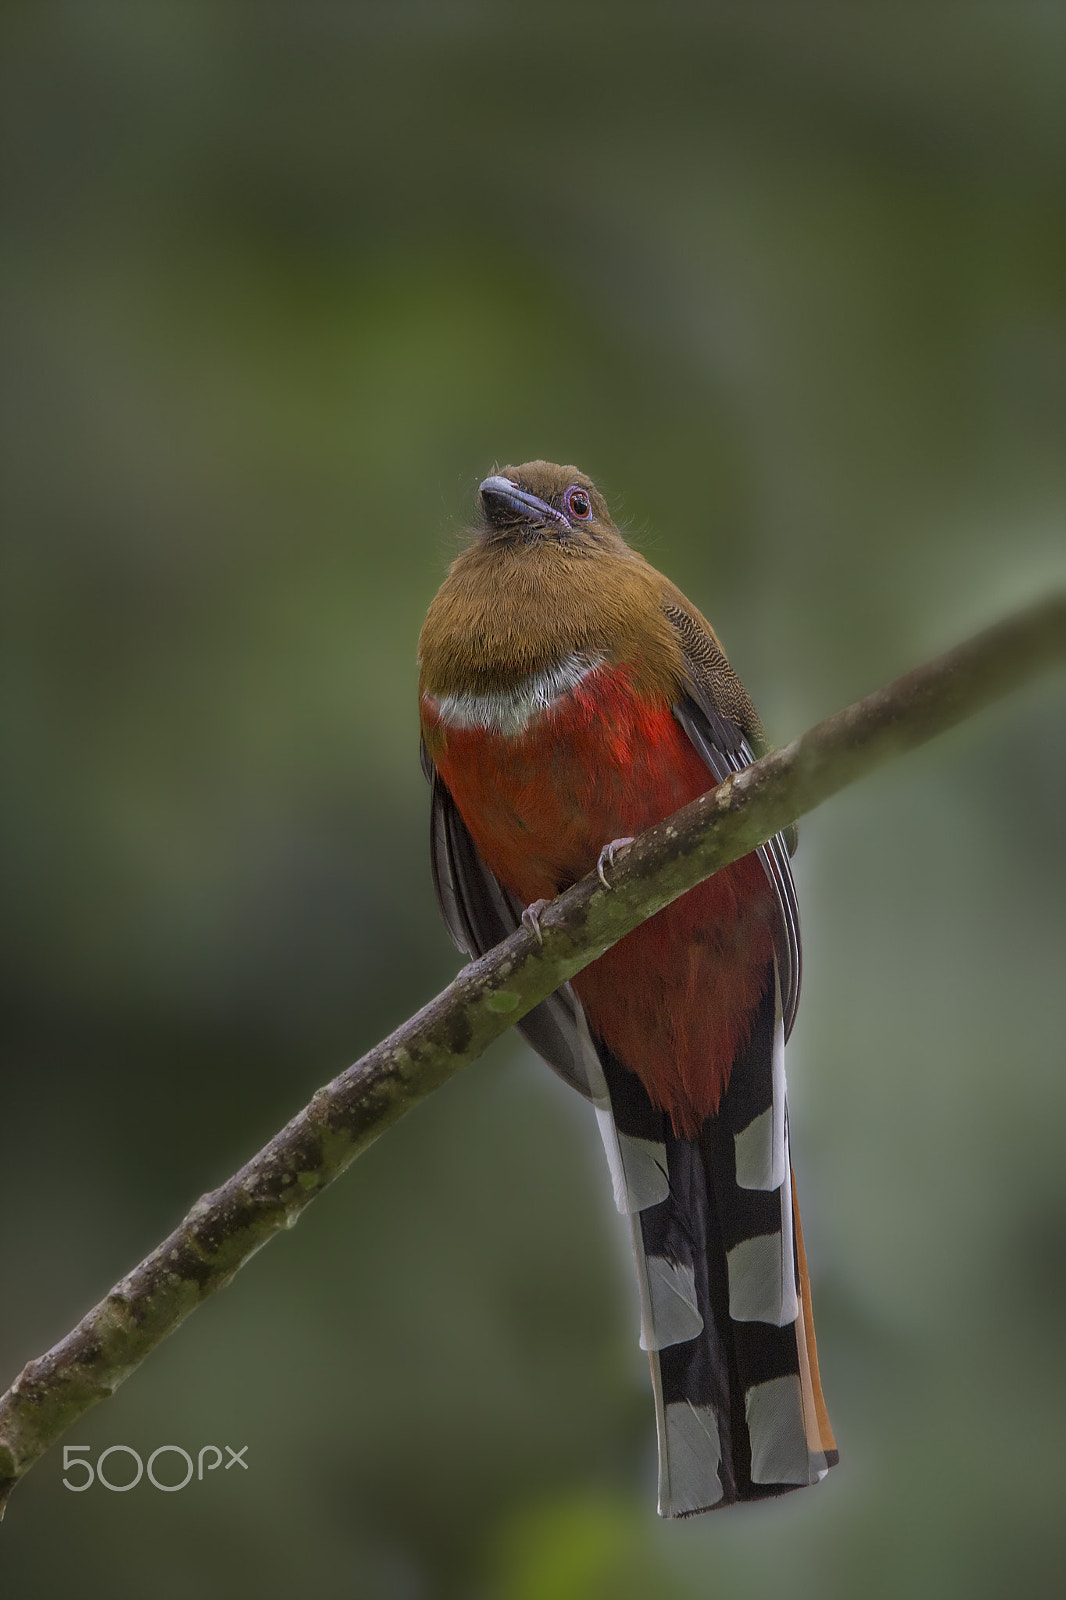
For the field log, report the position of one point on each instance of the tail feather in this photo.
(725, 1297)
(815, 1415)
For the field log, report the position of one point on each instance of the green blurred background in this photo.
(280, 283)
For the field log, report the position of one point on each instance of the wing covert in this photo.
(723, 725)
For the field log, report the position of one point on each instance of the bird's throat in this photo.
(523, 624)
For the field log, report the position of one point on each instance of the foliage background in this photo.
(279, 284)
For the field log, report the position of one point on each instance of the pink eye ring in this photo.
(578, 504)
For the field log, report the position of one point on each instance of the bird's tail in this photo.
(725, 1298)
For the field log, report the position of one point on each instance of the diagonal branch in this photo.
(225, 1227)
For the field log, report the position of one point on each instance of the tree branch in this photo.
(225, 1227)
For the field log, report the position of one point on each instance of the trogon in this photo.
(570, 697)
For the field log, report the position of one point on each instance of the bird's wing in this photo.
(722, 724)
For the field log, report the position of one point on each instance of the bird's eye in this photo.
(578, 504)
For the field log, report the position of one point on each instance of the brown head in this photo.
(541, 502)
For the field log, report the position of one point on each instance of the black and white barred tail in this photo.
(725, 1300)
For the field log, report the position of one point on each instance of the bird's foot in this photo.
(531, 918)
(608, 855)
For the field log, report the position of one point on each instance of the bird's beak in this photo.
(504, 503)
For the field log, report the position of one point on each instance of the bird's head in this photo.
(544, 502)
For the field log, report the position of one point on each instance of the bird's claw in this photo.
(531, 918)
(608, 855)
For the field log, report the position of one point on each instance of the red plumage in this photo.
(674, 999)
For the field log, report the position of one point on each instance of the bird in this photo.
(570, 696)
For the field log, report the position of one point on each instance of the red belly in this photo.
(674, 999)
